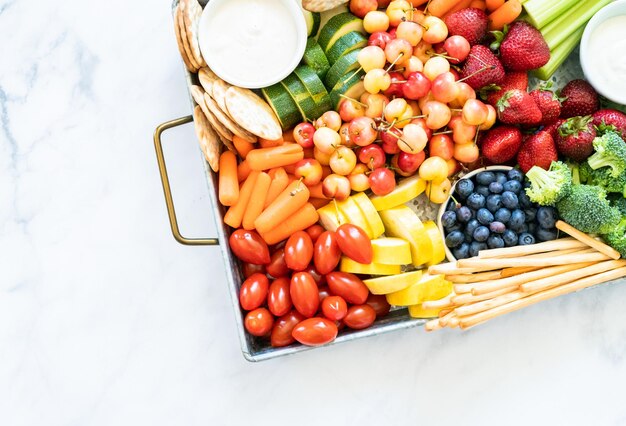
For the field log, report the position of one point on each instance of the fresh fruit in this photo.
(369, 212)
(466, 152)
(538, 150)
(438, 114)
(248, 246)
(413, 140)
(482, 68)
(435, 30)
(438, 191)
(375, 20)
(457, 47)
(303, 135)
(298, 251)
(303, 293)
(441, 146)
(372, 156)
(253, 291)
(575, 138)
(326, 140)
(471, 23)
(444, 87)
(579, 99)
(379, 38)
(310, 170)
(350, 109)
(259, 322)
(315, 58)
(417, 311)
(436, 66)
(283, 326)
(283, 105)
(348, 286)
(433, 168)
(474, 112)
(501, 144)
(439, 253)
(345, 44)
(403, 223)
(429, 287)
(336, 186)
(407, 164)
(315, 331)
(278, 298)
(371, 57)
(354, 243)
(397, 11)
(523, 48)
(610, 120)
(336, 27)
(410, 31)
(382, 181)
(363, 131)
(349, 265)
(392, 283)
(326, 253)
(549, 104)
(277, 267)
(518, 107)
(342, 161)
(334, 308)
(391, 251)
(376, 103)
(417, 86)
(398, 51)
(461, 131)
(359, 317)
(362, 7)
(350, 86)
(405, 191)
(512, 80)
(359, 181)
(330, 119)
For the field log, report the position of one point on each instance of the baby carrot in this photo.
(479, 4)
(234, 215)
(280, 180)
(287, 203)
(493, 4)
(463, 4)
(267, 143)
(278, 156)
(257, 200)
(242, 146)
(228, 183)
(243, 170)
(300, 220)
(316, 191)
(440, 7)
(505, 14)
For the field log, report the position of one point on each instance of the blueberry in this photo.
(546, 234)
(495, 241)
(448, 219)
(496, 187)
(532, 228)
(455, 239)
(482, 190)
(471, 226)
(523, 228)
(525, 239)
(451, 206)
(513, 186)
(475, 247)
(518, 217)
(481, 234)
(509, 200)
(502, 215)
(468, 237)
(456, 227)
(524, 201)
(462, 251)
(547, 217)
(464, 188)
(484, 216)
(485, 178)
(497, 227)
(515, 174)
(463, 214)
(476, 201)
(501, 178)
(531, 213)
(494, 202)
(510, 238)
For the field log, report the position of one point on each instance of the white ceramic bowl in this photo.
(213, 61)
(611, 10)
(442, 209)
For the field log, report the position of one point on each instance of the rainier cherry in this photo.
(349, 109)
(376, 103)
(358, 178)
(371, 57)
(422, 123)
(461, 131)
(417, 86)
(398, 11)
(372, 156)
(436, 30)
(438, 114)
(395, 88)
(475, 112)
(342, 161)
(491, 118)
(380, 39)
(363, 131)
(344, 133)
(322, 157)
(466, 152)
(445, 88)
(413, 139)
(434, 168)
(457, 47)
(465, 92)
(375, 20)
(336, 186)
(441, 146)
(436, 66)
(421, 51)
(330, 119)
(410, 31)
(438, 191)
(361, 8)
(303, 134)
(376, 80)
(310, 170)
(390, 140)
(382, 181)
(414, 64)
(407, 164)
(398, 51)
(326, 139)
(399, 111)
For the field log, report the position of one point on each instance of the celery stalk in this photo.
(559, 54)
(542, 12)
(558, 30)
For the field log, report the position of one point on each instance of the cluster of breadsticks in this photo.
(500, 281)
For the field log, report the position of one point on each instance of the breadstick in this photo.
(462, 299)
(577, 273)
(586, 239)
(522, 261)
(473, 278)
(438, 304)
(560, 244)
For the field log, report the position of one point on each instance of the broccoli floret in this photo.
(549, 186)
(618, 201)
(587, 209)
(610, 152)
(574, 171)
(604, 178)
(617, 237)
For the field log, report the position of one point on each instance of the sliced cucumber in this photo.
(283, 105)
(347, 63)
(308, 108)
(315, 58)
(346, 44)
(350, 85)
(312, 22)
(315, 87)
(338, 26)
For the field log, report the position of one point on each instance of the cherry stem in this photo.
(433, 53)
(476, 136)
(447, 132)
(298, 188)
(456, 109)
(353, 74)
(394, 61)
(410, 118)
(353, 100)
(399, 139)
(483, 69)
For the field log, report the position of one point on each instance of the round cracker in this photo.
(321, 5)
(207, 85)
(209, 140)
(252, 113)
(218, 93)
(206, 76)
(179, 41)
(226, 120)
(198, 95)
(183, 34)
(191, 17)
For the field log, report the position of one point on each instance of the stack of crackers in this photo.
(186, 21)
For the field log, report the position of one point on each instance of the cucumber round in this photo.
(315, 87)
(346, 44)
(347, 63)
(283, 105)
(350, 85)
(312, 22)
(338, 26)
(315, 58)
(308, 108)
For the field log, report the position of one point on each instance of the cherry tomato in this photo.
(354, 243)
(253, 292)
(315, 331)
(250, 268)
(249, 247)
(319, 278)
(304, 294)
(315, 231)
(326, 254)
(277, 266)
(334, 308)
(348, 286)
(323, 293)
(283, 326)
(278, 298)
(379, 303)
(298, 251)
(360, 316)
(259, 322)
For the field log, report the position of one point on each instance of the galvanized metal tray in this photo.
(255, 349)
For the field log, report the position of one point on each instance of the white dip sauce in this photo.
(250, 40)
(607, 47)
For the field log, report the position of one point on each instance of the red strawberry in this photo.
(518, 107)
(610, 119)
(482, 68)
(501, 144)
(575, 138)
(523, 48)
(554, 127)
(470, 23)
(512, 80)
(579, 99)
(549, 104)
(537, 150)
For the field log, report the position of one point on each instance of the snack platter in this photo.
(253, 348)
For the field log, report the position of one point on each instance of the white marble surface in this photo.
(105, 320)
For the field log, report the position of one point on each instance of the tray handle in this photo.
(167, 191)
